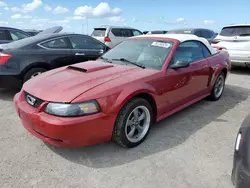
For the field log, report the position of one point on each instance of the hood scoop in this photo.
(88, 67)
(77, 69)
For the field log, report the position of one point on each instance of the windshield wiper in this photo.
(130, 62)
(105, 59)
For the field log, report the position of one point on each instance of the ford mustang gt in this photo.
(120, 95)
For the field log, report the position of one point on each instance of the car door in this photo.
(186, 84)
(200, 67)
(116, 36)
(86, 48)
(56, 51)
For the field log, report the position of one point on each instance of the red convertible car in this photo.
(119, 96)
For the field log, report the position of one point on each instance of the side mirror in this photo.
(179, 64)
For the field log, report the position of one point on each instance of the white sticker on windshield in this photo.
(187, 31)
(161, 44)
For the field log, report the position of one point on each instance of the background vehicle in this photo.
(119, 96)
(200, 32)
(8, 34)
(236, 40)
(241, 163)
(26, 58)
(32, 32)
(157, 32)
(113, 35)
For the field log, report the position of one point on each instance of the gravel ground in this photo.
(193, 148)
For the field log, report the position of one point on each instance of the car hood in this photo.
(67, 83)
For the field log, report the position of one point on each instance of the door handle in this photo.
(80, 54)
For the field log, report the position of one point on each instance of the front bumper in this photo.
(61, 131)
(240, 177)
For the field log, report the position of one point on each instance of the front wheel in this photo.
(218, 88)
(133, 123)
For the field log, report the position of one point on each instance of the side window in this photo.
(198, 33)
(117, 32)
(16, 35)
(190, 51)
(206, 52)
(56, 44)
(136, 32)
(85, 42)
(127, 33)
(4, 35)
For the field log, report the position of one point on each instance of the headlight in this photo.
(73, 110)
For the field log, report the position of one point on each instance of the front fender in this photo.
(115, 102)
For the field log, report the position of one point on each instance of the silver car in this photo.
(113, 35)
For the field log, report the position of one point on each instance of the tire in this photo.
(121, 128)
(32, 72)
(214, 95)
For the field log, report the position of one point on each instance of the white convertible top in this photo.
(181, 38)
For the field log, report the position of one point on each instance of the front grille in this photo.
(37, 102)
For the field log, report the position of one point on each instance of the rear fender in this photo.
(36, 65)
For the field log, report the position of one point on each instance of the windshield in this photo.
(145, 52)
(235, 31)
(99, 32)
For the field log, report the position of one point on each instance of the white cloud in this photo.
(180, 20)
(134, 20)
(209, 22)
(78, 18)
(19, 16)
(26, 17)
(116, 19)
(1, 13)
(47, 8)
(6, 8)
(16, 16)
(4, 23)
(3, 4)
(39, 20)
(101, 10)
(15, 9)
(30, 7)
(20, 22)
(60, 21)
(60, 10)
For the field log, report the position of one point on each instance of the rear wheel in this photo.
(33, 73)
(218, 88)
(133, 123)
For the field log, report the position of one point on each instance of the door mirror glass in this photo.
(179, 64)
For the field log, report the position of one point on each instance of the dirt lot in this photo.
(193, 148)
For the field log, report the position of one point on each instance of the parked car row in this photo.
(24, 59)
(119, 81)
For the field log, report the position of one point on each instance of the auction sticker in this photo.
(161, 44)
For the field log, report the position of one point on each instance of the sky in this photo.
(81, 16)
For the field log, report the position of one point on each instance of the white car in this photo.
(113, 35)
(236, 40)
